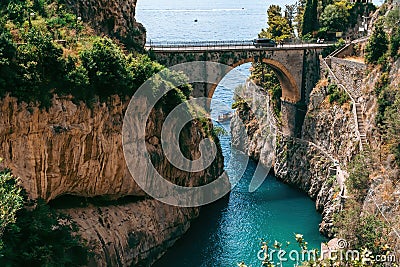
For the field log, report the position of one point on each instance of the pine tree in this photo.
(310, 21)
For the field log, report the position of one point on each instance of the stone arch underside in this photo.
(290, 89)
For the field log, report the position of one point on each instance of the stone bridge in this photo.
(296, 66)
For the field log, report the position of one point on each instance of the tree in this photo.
(395, 43)
(335, 17)
(107, 68)
(278, 27)
(290, 11)
(7, 53)
(10, 200)
(310, 20)
(377, 44)
(298, 19)
(392, 22)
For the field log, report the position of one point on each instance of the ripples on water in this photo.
(174, 20)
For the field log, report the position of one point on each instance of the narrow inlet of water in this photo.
(229, 231)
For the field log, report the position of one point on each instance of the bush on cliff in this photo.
(107, 69)
(42, 237)
(10, 200)
(38, 236)
(336, 95)
(7, 54)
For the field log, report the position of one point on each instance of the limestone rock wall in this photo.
(133, 234)
(71, 149)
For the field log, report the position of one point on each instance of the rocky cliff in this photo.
(71, 149)
(113, 18)
(327, 136)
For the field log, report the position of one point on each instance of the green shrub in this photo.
(391, 121)
(386, 97)
(42, 237)
(10, 200)
(360, 230)
(238, 103)
(16, 10)
(107, 70)
(335, 95)
(41, 68)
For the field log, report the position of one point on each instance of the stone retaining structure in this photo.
(324, 66)
(350, 74)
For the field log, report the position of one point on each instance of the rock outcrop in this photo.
(133, 234)
(71, 149)
(113, 18)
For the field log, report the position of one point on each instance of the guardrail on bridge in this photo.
(234, 44)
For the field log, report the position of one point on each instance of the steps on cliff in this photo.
(361, 125)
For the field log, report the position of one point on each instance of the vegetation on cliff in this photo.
(381, 52)
(324, 18)
(370, 214)
(45, 49)
(35, 235)
(11, 200)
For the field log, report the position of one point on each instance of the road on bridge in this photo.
(228, 46)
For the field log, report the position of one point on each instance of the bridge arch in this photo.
(290, 90)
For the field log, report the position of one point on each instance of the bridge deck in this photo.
(228, 46)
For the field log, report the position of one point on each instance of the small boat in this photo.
(225, 117)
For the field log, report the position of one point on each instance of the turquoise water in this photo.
(229, 230)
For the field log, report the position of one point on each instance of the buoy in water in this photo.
(195, 20)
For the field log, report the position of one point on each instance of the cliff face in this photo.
(70, 149)
(113, 18)
(133, 234)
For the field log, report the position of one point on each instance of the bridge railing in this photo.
(184, 45)
(210, 44)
